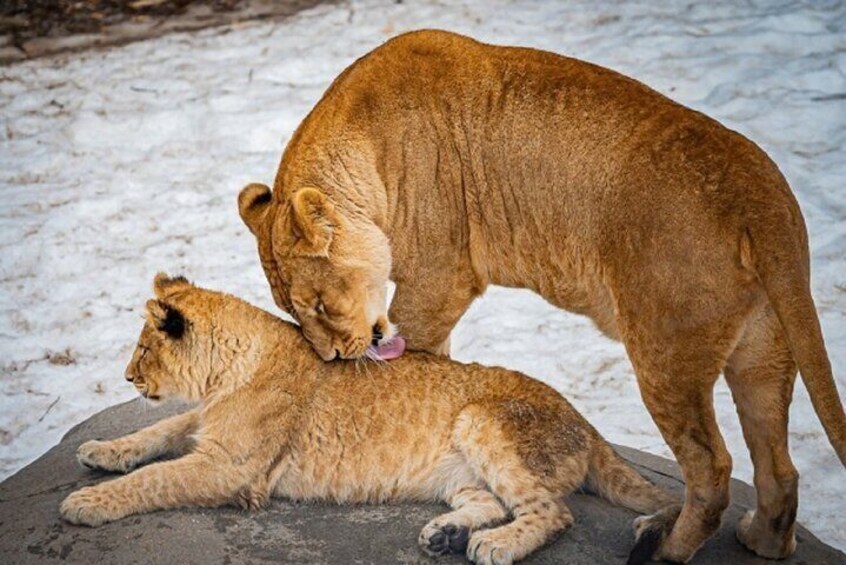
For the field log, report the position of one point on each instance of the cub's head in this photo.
(326, 269)
(186, 348)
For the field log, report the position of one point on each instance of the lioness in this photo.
(449, 165)
(274, 420)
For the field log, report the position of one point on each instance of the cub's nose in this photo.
(377, 335)
(129, 375)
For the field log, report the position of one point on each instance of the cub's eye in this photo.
(319, 308)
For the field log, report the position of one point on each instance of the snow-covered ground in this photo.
(116, 164)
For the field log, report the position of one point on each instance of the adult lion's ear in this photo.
(316, 219)
(164, 284)
(253, 203)
(166, 318)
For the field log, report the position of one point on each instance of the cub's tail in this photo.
(616, 481)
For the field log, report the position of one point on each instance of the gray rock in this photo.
(32, 532)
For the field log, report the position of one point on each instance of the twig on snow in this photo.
(49, 408)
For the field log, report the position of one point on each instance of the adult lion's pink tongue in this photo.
(391, 349)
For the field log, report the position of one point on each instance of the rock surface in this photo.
(32, 532)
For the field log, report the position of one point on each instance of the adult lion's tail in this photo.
(779, 254)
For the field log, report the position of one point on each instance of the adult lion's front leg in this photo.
(426, 307)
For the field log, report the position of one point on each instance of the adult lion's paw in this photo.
(88, 507)
(650, 533)
(106, 456)
(764, 542)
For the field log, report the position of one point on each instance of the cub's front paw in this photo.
(488, 547)
(88, 507)
(104, 455)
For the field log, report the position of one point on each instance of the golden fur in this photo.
(274, 420)
(449, 165)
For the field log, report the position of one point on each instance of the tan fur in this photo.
(274, 420)
(486, 165)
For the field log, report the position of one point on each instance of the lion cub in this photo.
(274, 420)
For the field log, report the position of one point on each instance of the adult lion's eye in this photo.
(319, 308)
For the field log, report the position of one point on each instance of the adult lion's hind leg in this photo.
(761, 373)
(676, 379)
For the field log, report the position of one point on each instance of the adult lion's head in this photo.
(326, 269)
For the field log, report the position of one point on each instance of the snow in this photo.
(119, 163)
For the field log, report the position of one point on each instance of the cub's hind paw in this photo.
(650, 533)
(104, 456)
(436, 539)
(490, 547)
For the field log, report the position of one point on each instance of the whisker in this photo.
(369, 373)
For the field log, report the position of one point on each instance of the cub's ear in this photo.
(316, 219)
(253, 204)
(163, 284)
(166, 318)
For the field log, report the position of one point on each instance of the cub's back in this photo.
(374, 431)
